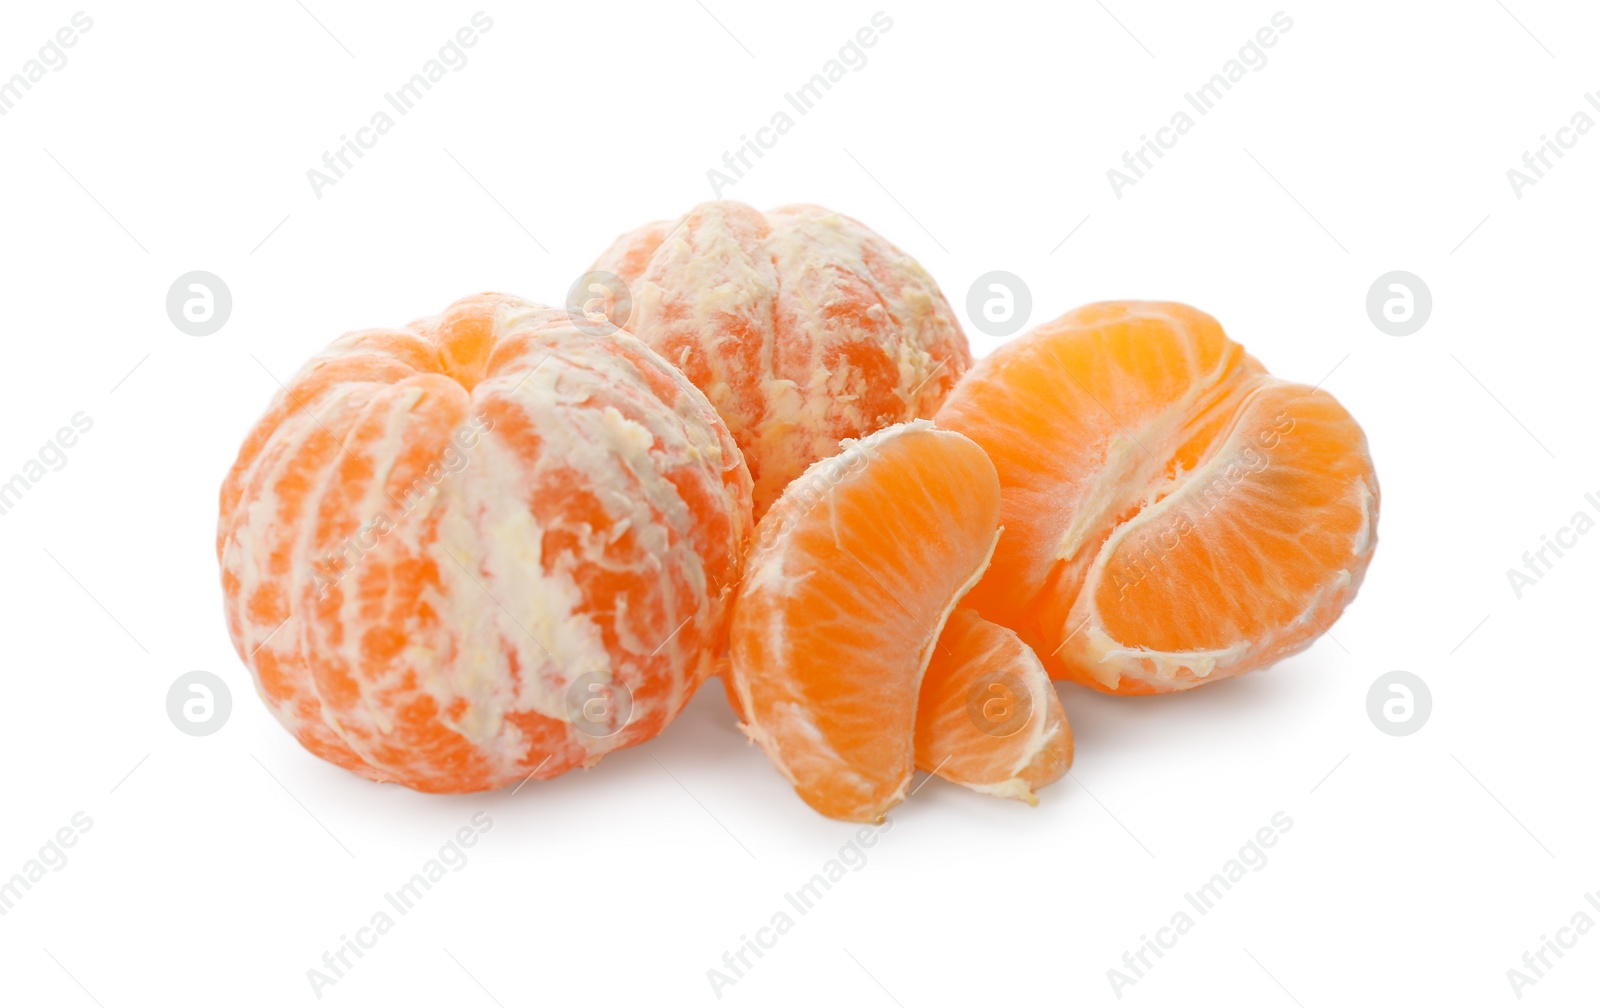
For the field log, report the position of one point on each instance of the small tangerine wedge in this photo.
(988, 718)
(803, 326)
(482, 548)
(1174, 515)
(849, 582)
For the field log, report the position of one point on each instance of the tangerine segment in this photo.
(801, 325)
(1175, 514)
(442, 545)
(988, 718)
(853, 573)
(1067, 412)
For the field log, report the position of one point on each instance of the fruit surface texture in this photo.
(801, 325)
(482, 547)
(988, 717)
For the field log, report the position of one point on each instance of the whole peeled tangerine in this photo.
(484, 547)
(801, 325)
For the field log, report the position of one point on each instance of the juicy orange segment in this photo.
(1175, 515)
(988, 718)
(852, 576)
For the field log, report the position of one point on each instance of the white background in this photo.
(218, 870)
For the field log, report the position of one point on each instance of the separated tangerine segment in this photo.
(988, 717)
(852, 576)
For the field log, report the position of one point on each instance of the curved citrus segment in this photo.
(482, 548)
(1175, 515)
(988, 718)
(853, 573)
(802, 326)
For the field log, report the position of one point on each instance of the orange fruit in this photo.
(988, 718)
(483, 547)
(801, 325)
(1174, 515)
(847, 586)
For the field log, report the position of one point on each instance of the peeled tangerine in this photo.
(802, 326)
(484, 547)
(1174, 515)
(843, 665)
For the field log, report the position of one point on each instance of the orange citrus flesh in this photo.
(988, 717)
(850, 580)
(484, 547)
(1174, 515)
(803, 327)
